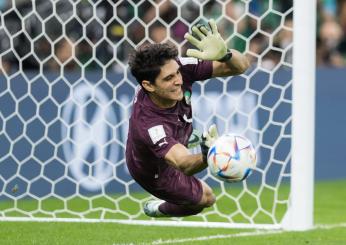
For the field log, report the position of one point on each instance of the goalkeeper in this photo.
(161, 122)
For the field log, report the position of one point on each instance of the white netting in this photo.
(65, 97)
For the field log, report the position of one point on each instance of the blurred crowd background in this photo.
(35, 35)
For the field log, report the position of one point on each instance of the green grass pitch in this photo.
(329, 215)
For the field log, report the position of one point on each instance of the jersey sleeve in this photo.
(158, 138)
(193, 69)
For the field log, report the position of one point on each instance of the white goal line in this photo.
(149, 223)
(270, 227)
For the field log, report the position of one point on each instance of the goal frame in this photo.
(299, 215)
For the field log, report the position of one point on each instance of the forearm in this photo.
(238, 64)
(180, 158)
(191, 164)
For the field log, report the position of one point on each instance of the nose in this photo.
(178, 81)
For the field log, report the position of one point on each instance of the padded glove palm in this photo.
(208, 139)
(211, 45)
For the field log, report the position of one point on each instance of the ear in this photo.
(148, 86)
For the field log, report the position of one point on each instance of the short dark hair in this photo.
(146, 62)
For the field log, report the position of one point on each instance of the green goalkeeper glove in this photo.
(195, 139)
(211, 45)
(208, 139)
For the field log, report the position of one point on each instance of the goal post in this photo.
(65, 100)
(300, 212)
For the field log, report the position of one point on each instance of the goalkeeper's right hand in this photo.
(208, 139)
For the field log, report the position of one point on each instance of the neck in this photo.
(162, 103)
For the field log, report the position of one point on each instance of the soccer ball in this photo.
(231, 158)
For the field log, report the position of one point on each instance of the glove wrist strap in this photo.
(227, 56)
(204, 150)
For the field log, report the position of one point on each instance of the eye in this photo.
(168, 78)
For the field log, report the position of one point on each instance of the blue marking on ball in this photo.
(212, 151)
(247, 173)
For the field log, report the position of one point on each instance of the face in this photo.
(166, 90)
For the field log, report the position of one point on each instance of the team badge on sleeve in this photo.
(156, 133)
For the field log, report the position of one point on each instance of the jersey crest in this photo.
(187, 96)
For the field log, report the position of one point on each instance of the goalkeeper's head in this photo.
(146, 62)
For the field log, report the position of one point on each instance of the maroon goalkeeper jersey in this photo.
(153, 131)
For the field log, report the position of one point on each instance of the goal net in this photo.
(65, 96)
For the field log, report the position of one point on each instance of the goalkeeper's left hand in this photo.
(211, 45)
(195, 139)
(208, 139)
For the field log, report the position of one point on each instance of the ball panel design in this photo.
(231, 158)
